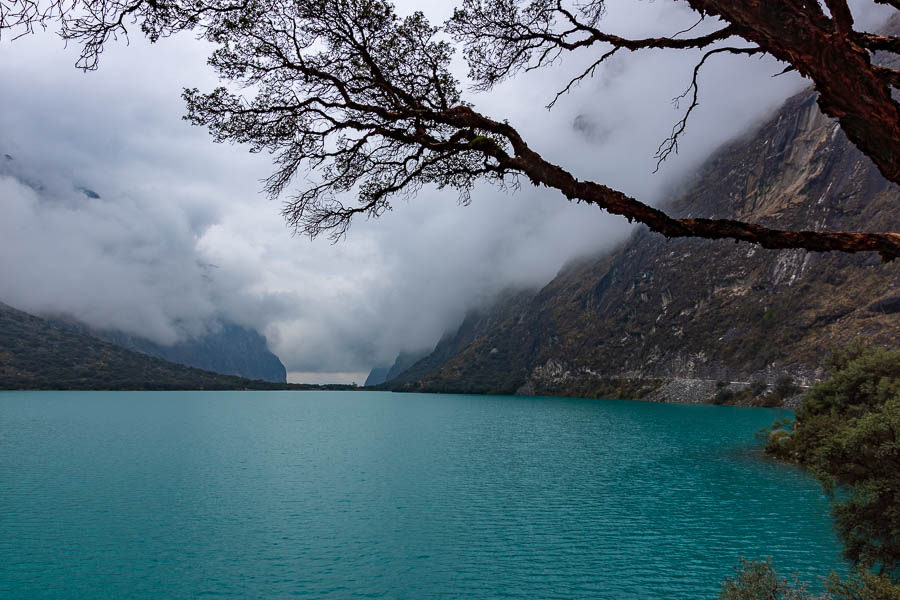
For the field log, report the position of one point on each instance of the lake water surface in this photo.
(401, 496)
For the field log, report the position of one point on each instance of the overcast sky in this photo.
(181, 235)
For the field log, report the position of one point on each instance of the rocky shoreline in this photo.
(669, 390)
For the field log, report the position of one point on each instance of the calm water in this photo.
(377, 495)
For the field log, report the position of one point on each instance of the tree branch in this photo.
(541, 172)
(670, 144)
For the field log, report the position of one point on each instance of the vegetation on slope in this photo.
(35, 354)
(758, 580)
(848, 434)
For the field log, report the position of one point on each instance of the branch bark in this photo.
(542, 172)
(850, 88)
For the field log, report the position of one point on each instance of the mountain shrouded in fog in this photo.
(123, 216)
(656, 309)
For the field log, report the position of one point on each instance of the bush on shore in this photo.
(847, 433)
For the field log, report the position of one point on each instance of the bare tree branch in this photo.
(670, 144)
(840, 14)
(362, 103)
(850, 88)
(371, 121)
(501, 38)
(879, 42)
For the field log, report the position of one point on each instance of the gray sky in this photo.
(181, 235)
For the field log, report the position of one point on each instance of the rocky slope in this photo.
(377, 376)
(476, 325)
(655, 311)
(36, 354)
(405, 360)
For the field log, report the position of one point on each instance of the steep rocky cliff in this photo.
(377, 376)
(404, 361)
(477, 324)
(656, 310)
(229, 350)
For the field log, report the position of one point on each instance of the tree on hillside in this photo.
(364, 102)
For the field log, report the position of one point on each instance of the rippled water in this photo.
(378, 495)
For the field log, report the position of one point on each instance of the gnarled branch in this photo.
(371, 120)
(365, 104)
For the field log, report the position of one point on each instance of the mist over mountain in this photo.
(658, 310)
(230, 349)
(175, 236)
(227, 349)
(39, 354)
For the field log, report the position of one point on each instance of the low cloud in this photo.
(180, 235)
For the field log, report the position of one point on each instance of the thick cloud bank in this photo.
(180, 235)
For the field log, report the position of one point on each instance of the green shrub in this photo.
(723, 396)
(757, 580)
(848, 433)
(785, 387)
(863, 585)
(757, 387)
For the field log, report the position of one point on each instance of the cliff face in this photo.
(477, 325)
(232, 350)
(377, 376)
(659, 309)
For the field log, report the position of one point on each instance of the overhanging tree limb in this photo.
(364, 103)
(850, 88)
(374, 122)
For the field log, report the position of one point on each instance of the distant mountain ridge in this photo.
(230, 350)
(658, 310)
(377, 376)
(36, 354)
(411, 365)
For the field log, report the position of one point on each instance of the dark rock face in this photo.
(477, 323)
(404, 361)
(377, 376)
(659, 309)
(88, 193)
(889, 305)
(232, 350)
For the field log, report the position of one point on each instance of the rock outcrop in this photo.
(658, 310)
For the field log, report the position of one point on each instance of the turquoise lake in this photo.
(400, 496)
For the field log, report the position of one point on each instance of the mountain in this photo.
(674, 316)
(404, 361)
(231, 350)
(38, 354)
(35, 354)
(475, 325)
(377, 376)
